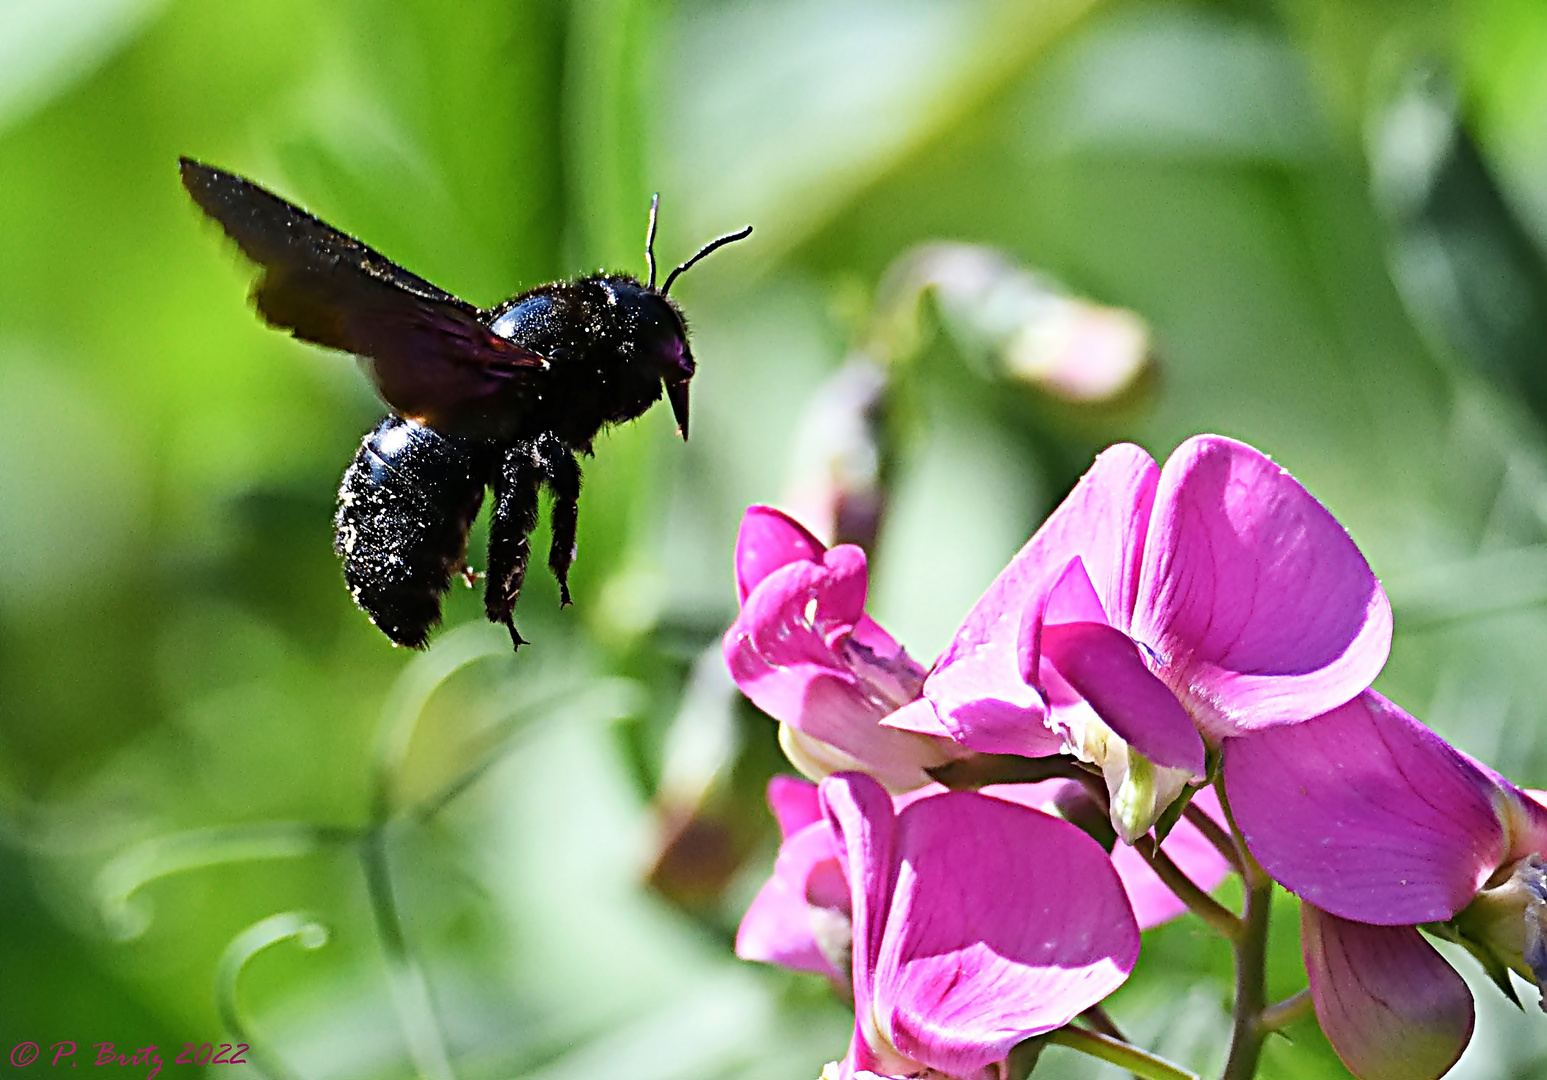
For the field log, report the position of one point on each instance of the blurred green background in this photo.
(1331, 213)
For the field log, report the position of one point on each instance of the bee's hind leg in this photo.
(561, 472)
(517, 478)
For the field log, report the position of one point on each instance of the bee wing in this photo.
(430, 354)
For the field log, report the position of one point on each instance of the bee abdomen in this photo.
(404, 509)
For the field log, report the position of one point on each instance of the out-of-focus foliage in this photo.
(1331, 214)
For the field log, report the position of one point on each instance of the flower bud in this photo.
(1507, 922)
(1019, 324)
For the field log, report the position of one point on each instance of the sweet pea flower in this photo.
(1159, 609)
(804, 651)
(1381, 827)
(802, 917)
(977, 924)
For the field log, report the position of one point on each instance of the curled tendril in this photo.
(127, 916)
(300, 926)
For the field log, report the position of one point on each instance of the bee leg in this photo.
(517, 477)
(562, 474)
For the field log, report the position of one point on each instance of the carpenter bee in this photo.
(505, 397)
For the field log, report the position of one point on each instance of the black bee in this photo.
(505, 397)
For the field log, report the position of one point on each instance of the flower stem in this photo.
(1251, 960)
(1283, 1013)
(1199, 902)
(410, 991)
(1100, 1021)
(980, 770)
(1215, 834)
(1139, 1062)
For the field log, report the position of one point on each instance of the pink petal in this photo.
(970, 964)
(781, 925)
(775, 653)
(769, 539)
(919, 717)
(997, 725)
(976, 686)
(868, 632)
(1104, 667)
(1391, 1007)
(1522, 811)
(864, 827)
(780, 651)
(774, 627)
(1152, 901)
(1525, 821)
(1071, 598)
(794, 804)
(1366, 813)
(831, 713)
(842, 601)
(1260, 605)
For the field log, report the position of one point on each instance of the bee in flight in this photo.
(505, 397)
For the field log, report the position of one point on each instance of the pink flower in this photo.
(806, 653)
(1380, 827)
(1215, 596)
(802, 917)
(952, 965)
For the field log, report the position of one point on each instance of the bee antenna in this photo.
(713, 245)
(655, 205)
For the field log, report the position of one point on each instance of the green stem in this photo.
(1251, 960)
(1215, 834)
(410, 990)
(1123, 1055)
(1281, 1014)
(1199, 902)
(1101, 1022)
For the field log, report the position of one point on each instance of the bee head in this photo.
(661, 338)
(669, 344)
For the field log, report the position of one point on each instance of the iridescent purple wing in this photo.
(431, 355)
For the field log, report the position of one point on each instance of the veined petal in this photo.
(976, 683)
(1523, 813)
(1366, 813)
(788, 923)
(794, 804)
(1391, 1007)
(1260, 605)
(1104, 667)
(1152, 901)
(767, 540)
(969, 965)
